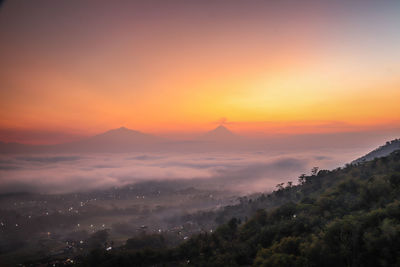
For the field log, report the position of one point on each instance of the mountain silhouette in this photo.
(122, 135)
(219, 134)
(115, 140)
(219, 139)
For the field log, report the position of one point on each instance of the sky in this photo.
(72, 68)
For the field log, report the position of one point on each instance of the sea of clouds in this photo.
(245, 171)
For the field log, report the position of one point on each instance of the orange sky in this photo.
(84, 67)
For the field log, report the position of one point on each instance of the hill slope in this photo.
(381, 151)
(344, 217)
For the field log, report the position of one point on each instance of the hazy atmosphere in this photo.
(245, 172)
(79, 68)
(200, 133)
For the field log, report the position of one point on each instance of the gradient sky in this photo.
(78, 67)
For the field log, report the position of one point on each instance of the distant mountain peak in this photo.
(121, 130)
(222, 129)
(221, 133)
(118, 139)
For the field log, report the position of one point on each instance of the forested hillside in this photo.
(381, 151)
(344, 217)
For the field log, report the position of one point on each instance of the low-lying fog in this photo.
(244, 172)
(172, 194)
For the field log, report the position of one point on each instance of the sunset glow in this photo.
(80, 67)
(199, 133)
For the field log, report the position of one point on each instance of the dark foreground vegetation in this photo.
(344, 217)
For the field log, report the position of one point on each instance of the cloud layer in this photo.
(245, 172)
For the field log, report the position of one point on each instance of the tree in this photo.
(302, 179)
(280, 186)
(314, 171)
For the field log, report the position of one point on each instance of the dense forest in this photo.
(345, 217)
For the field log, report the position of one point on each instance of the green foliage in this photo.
(344, 217)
